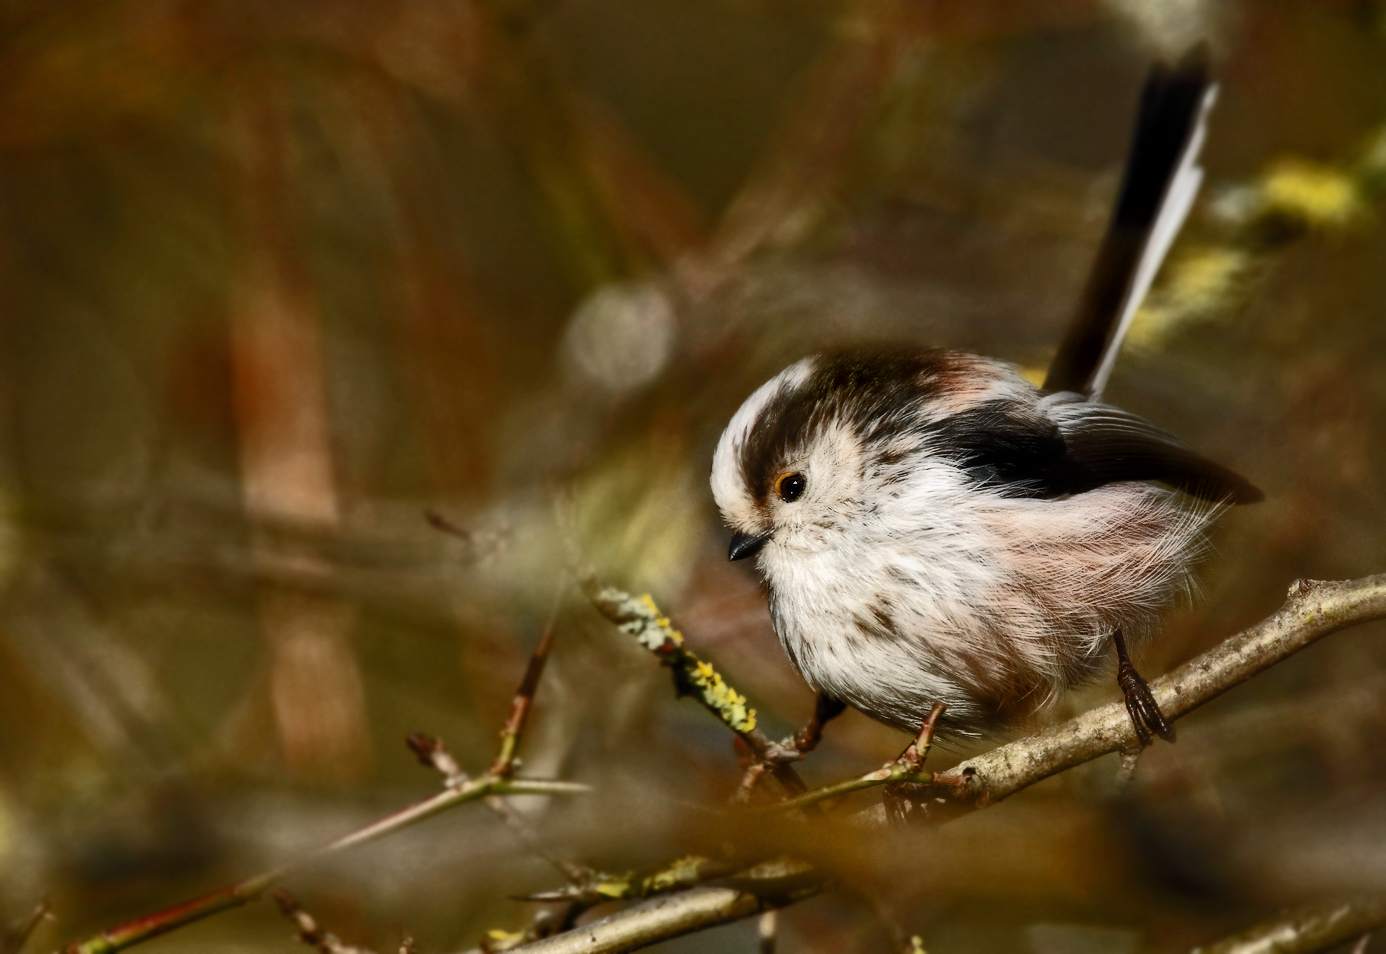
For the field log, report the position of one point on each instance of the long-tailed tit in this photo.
(934, 528)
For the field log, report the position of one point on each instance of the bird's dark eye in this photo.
(790, 487)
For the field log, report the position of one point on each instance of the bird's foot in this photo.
(1141, 706)
(824, 711)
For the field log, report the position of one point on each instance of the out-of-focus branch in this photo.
(458, 788)
(768, 931)
(687, 872)
(766, 887)
(242, 892)
(1306, 930)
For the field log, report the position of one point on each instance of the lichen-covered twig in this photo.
(765, 887)
(685, 872)
(639, 617)
(1316, 927)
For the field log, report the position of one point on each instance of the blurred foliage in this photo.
(277, 279)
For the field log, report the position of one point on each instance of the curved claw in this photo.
(1140, 703)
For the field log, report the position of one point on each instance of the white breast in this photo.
(992, 605)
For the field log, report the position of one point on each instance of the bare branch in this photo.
(432, 752)
(1306, 930)
(242, 892)
(1313, 610)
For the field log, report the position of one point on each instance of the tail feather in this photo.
(1162, 179)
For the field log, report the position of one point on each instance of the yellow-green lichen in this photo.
(683, 871)
(1318, 196)
(729, 703)
(640, 617)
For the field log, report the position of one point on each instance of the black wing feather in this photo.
(1112, 444)
(1068, 445)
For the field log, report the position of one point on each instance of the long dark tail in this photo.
(1162, 179)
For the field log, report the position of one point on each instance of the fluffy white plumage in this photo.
(921, 563)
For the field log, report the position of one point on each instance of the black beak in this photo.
(744, 545)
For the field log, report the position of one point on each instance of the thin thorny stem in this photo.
(458, 788)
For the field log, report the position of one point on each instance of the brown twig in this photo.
(917, 751)
(1305, 930)
(906, 769)
(431, 751)
(242, 892)
(504, 764)
(638, 616)
(753, 771)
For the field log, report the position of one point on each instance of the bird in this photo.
(934, 528)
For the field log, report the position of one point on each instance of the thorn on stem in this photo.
(309, 932)
(431, 752)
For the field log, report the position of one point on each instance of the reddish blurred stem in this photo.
(223, 899)
(504, 764)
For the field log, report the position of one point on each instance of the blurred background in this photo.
(279, 279)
